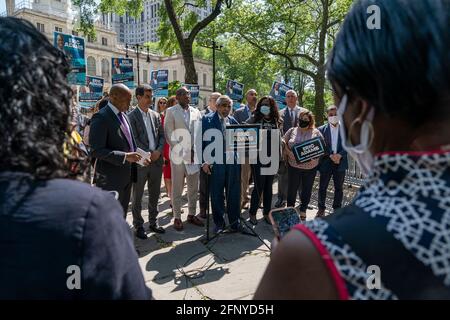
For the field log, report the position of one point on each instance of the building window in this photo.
(105, 70)
(204, 79)
(40, 27)
(174, 74)
(58, 29)
(75, 33)
(90, 39)
(91, 66)
(104, 41)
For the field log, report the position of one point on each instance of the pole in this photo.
(138, 72)
(214, 65)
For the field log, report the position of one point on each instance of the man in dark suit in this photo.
(289, 115)
(149, 136)
(333, 164)
(113, 145)
(203, 199)
(242, 115)
(223, 174)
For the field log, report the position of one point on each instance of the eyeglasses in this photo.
(163, 102)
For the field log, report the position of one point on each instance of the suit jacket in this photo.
(174, 120)
(326, 164)
(212, 121)
(140, 131)
(288, 124)
(241, 115)
(109, 146)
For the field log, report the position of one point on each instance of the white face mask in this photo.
(333, 120)
(361, 152)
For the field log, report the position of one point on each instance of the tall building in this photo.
(57, 15)
(144, 28)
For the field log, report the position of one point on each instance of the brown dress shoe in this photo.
(320, 213)
(203, 214)
(195, 221)
(178, 225)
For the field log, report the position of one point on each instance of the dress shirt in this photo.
(334, 137)
(149, 127)
(116, 112)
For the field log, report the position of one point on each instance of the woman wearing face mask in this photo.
(394, 108)
(266, 114)
(301, 174)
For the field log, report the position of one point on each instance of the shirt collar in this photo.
(113, 108)
(144, 113)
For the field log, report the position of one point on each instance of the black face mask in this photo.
(303, 123)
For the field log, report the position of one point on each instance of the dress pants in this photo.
(245, 178)
(152, 176)
(178, 174)
(203, 201)
(225, 177)
(263, 187)
(303, 179)
(338, 181)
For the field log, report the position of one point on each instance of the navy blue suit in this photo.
(223, 177)
(328, 169)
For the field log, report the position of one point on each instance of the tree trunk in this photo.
(319, 101)
(190, 76)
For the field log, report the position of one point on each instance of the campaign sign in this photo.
(242, 136)
(308, 150)
(74, 49)
(235, 91)
(195, 92)
(91, 92)
(278, 92)
(122, 71)
(159, 81)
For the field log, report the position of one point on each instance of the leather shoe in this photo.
(195, 221)
(203, 214)
(302, 216)
(178, 225)
(280, 203)
(140, 233)
(253, 220)
(320, 213)
(157, 229)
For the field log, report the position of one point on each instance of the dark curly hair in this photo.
(35, 101)
(274, 114)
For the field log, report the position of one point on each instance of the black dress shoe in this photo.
(140, 233)
(157, 229)
(280, 203)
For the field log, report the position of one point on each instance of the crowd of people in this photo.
(391, 93)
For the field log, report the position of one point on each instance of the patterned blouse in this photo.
(295, 136)
(410, 194)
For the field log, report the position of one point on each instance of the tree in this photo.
(301, 32)
(183, 28)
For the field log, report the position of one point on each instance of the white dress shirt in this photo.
(186, 115)
(149, 127)
(334, 137)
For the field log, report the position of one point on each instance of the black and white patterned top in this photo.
(410, 194)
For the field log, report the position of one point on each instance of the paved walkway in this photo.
(179, 265)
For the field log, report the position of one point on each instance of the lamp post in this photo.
(214, 47)
(137, 48)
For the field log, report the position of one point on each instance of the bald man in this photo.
(113, 145)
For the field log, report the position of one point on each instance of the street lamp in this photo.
(137, 48)
(214, 47)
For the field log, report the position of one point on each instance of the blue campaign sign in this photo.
(308, 150)
(159, 81)
(91, 92)
(195, 93)
(74, 49)
(122, 71)
(278, 92)
(242, 136)
(235, 91)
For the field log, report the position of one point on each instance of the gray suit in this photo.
(109, 146)
(241, 115)
(150, 174)
(287, 124)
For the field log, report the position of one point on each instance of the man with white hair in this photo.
(289, 115)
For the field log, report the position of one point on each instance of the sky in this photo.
(2, 6)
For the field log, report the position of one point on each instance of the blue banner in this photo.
(159, 81)
(235, 91)
(122, 71)
(74, 49)
(278, 92)
(195, 92)
(91, 92)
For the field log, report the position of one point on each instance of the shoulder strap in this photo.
(401, 271)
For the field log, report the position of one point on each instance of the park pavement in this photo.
(180, 265)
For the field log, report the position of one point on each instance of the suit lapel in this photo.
(180, 112)
(141, 124)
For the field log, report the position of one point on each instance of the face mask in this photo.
(333, 120)
(361, 152)
(303, 123)
(265, 110)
